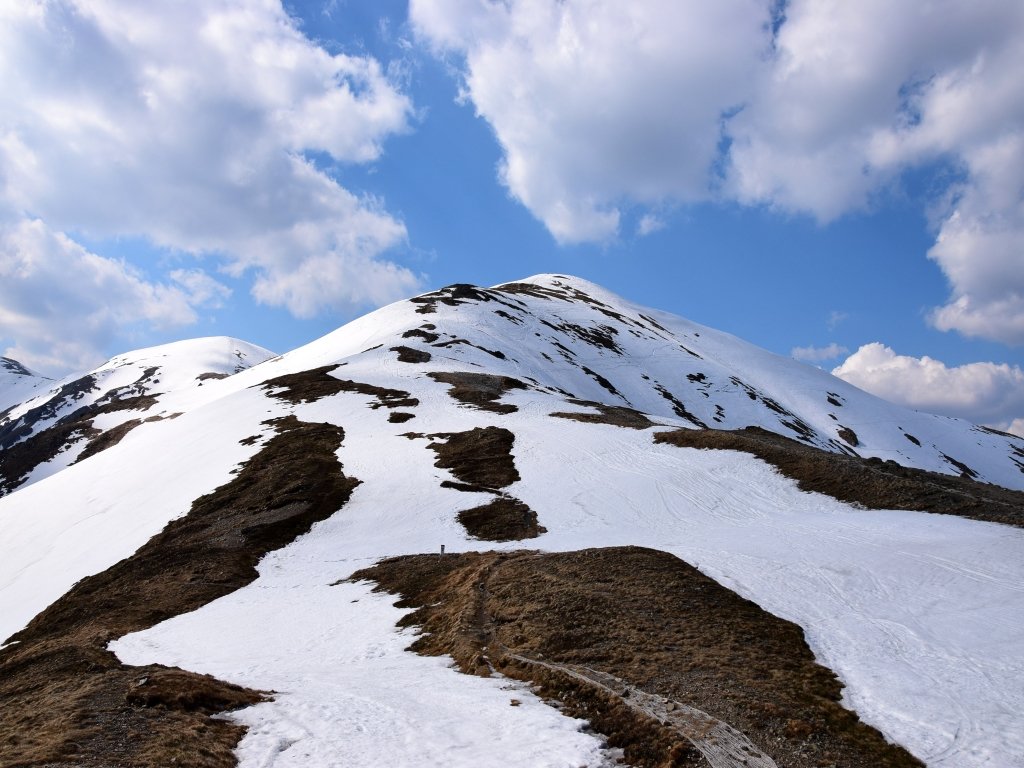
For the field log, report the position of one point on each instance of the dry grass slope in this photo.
(68, 701)
(479, 390)
(645, 617)
(871, 482)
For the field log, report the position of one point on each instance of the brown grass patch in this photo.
(871, 482)
(68, 701)
(411, 355)
(421, 333)
(678, 406)
(848, 435)
(503, 519)
(608, 414)
(651, 620)
(480, 457)
(451, 295)
(482, 462)
(479, 390)
(17, 461)
(108, 439)
(605, 384)
(309, 386)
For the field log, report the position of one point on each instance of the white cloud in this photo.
(843, 76)
(187, 123)
(1015, 427)
(817, 354)
(61, 304)
(985, 393)
(980, 245)
(648, 224)
(200, 288)
(835, 317)
(600, 103)
(859, 92)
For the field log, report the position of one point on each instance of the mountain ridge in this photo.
(703, 376)
(544, 413)
(84, 413)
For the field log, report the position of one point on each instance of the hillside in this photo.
(675, 533)
(17, 383)
(55, 423)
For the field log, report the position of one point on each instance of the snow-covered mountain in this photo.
(48, 425)
(219, 534)
(17, 383)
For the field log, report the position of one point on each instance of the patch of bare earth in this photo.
(658, 627)
(425, 332)
(67, 701)
(451, 295)
(479, 390)
(481, 461)
(311, 385)
(480, 457)
(411, 354)
(503, 519)
(111, 437)
(872, 482)
(608, 414)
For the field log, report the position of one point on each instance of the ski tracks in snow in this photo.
(918, 614)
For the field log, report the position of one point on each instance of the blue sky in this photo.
(840, 185)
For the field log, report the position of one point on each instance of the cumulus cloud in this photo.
(200, 288)
(856, 93)
(600, 104)
(597, 103)
(980, 245)
(826, 121)
(61, 304)
(985, 393)
(817, 354)
(190, 124)
(648, 224)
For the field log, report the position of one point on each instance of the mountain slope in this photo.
(85, 413)
(17, 383)
(611, 351)
(541, 410)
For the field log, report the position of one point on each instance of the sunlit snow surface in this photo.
(171, 376)
(920, 615)
(18, 383)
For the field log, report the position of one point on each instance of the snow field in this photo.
(91, 515)
(349, 694)
(920, 615)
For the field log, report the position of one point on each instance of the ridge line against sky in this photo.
(815, 177)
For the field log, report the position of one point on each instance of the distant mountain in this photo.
(17, 383)
(706, 551)
(47, 430)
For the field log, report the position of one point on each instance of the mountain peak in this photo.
(15, 368)
(218, 353)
